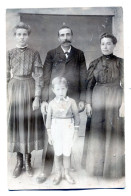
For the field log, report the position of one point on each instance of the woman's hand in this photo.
(121, 111)
(36, 76)
(88, 110)
(36, 103)
(44, 108)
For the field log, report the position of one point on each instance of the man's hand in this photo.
(81, 106)
(36, 103)
(88, 110)
(44, 108)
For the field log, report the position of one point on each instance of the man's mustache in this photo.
(66, 41)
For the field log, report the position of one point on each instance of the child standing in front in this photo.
(62, 125)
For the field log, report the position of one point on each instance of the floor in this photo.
(80, 176)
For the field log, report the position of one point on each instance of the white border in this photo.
(127, 56)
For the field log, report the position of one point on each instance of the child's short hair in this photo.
(59, 80)
(22, 25)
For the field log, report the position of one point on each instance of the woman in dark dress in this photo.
(105, 105)
(25, 123)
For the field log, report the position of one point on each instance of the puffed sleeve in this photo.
(38, 74)
(90, 82)
(83, 76)
(8, 67)
(121, 66)
(75, 113)
(49, 116)
(47, 75)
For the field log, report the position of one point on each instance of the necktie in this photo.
(67, 54)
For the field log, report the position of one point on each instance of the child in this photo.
(62, 125)
(25, 127)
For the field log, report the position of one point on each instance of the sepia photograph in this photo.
(65, 98)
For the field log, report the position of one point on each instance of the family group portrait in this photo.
(65, 98)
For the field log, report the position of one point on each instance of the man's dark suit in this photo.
(74, 70)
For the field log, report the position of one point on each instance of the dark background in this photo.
(86, 29)
(87, 25)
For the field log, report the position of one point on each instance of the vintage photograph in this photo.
(65, 98)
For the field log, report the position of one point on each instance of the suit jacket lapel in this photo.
(60, 53)
(61, 56)
(71, 55)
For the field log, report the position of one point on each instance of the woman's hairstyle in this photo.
(65, 27)
(22, 25)
(107, 35)
(59, 80)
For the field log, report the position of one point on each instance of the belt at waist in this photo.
(22, 77)
(60, 117)
(108, 84)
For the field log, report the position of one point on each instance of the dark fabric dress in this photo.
(105, 141)
(25, 126)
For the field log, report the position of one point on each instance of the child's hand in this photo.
(76, 129)
(75, 137)
(50, 140)
(36, 103)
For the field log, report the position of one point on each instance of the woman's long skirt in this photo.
(105, 141)
(25, 126)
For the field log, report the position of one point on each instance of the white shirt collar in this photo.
(65, 50)
(64, 99)
(22, 47)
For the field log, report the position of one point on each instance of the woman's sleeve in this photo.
(47, 75)
(121, 65)
(49, 117)
(75, 113)
(38, 74)
(8, 67)
(83, 76)
(90, 82)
